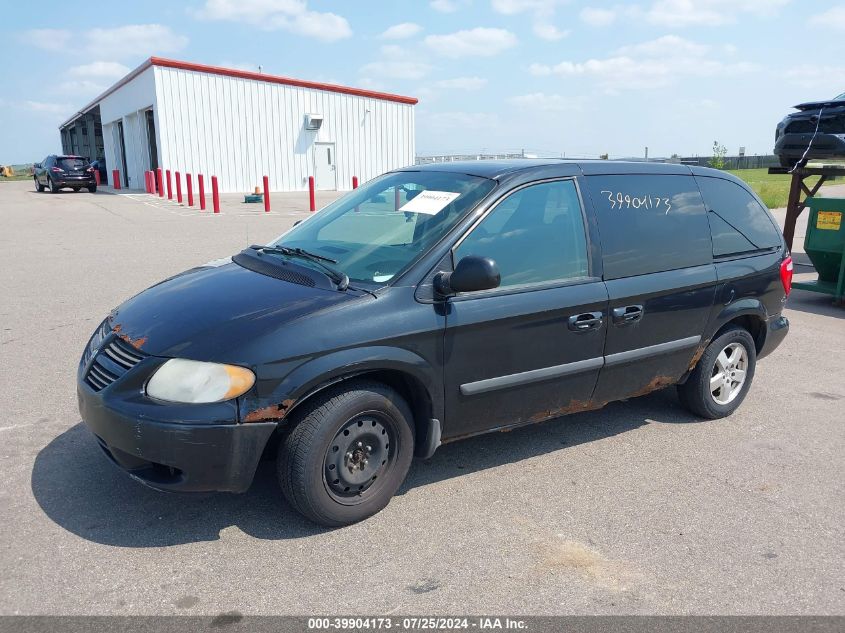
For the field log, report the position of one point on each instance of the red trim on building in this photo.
(275, 79)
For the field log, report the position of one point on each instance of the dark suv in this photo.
(432, 304)
(801, 130)
(60, 172)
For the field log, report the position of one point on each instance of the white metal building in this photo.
(241, 126)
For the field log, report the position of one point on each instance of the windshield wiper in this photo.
(341, 280)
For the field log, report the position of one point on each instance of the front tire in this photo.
(38, 186)
(348, 454)
(722, 377)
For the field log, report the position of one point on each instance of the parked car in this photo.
(797, 130)
(432, 304)
(61, 172)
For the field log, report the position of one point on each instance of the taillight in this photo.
(90, 170)
(786, 275)
(56, 169)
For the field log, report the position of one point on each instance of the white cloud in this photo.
(287, 15)
(461, 83)
(549, 32)
(99, 69)
(477, 42)
(444, 6)
(546, 102)
(822, 79)
(401, 31)
(595, 16)
(48, 39)
(833, 18)
(666, 45)
(123, 42)
(399, 69)
(512, 7)
(133, 41)
(445, 121)
(655, 63)
(679, 13)
(81, 87)
(47, 107)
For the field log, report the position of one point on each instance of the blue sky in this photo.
(553, 77)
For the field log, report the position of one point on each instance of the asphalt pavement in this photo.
(639, 508)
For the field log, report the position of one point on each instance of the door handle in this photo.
(627, 314)
(585, 321)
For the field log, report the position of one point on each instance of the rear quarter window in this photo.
(649, 223)
(739, 223)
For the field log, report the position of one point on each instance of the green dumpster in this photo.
(825, 246)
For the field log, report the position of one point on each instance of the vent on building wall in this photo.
(313, 121)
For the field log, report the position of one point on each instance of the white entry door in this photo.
(324, 166)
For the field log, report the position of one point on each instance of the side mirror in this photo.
(37, 165)
(473, 273)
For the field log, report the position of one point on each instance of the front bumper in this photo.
(793, 145)
(167, 454)
(777, 327)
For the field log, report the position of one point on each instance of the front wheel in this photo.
(348, 454)
(722, 377)
(38, 186)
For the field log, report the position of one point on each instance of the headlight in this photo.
(191, 381)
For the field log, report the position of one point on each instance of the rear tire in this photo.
(52, 186)
(722, 377)
(38, 186)
(92, 189)
(348, 454)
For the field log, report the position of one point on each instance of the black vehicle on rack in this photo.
(817, 129)
(64, 172)
(431, 304)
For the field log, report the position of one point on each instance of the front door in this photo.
(324, 166)
(531, 349)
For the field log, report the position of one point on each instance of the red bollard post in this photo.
(160, 181)
(190, 190)
(178, 188)
(97, 177)
(201, 185)
(215, 196)
(169, 187)
(115, 179)
(354, 182)
(266, 194)
(148, 186)
(311, 199)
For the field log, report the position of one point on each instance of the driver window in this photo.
(535, 235)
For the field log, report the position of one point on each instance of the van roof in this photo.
(500, 168)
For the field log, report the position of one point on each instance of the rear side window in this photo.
(650, 223)
(535, 235)
(739, 223)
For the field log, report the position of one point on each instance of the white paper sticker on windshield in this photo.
(429, 202)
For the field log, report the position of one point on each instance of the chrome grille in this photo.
(113, 360)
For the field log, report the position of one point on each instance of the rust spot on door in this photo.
(271, 412)
(574, 406)
(658, 382)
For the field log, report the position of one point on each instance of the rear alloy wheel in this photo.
(52, 185)
(722, 377)
(348, 453)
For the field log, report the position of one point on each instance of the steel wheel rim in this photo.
(729, 373)
(362, 451)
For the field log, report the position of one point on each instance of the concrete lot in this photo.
(638, 508)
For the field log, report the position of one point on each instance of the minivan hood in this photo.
(206, 312)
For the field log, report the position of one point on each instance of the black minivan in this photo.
(431, 304)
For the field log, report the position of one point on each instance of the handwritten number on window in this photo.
(627, 201)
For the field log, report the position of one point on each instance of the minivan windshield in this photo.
(376, 231)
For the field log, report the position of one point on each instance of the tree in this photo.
(718, 159)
